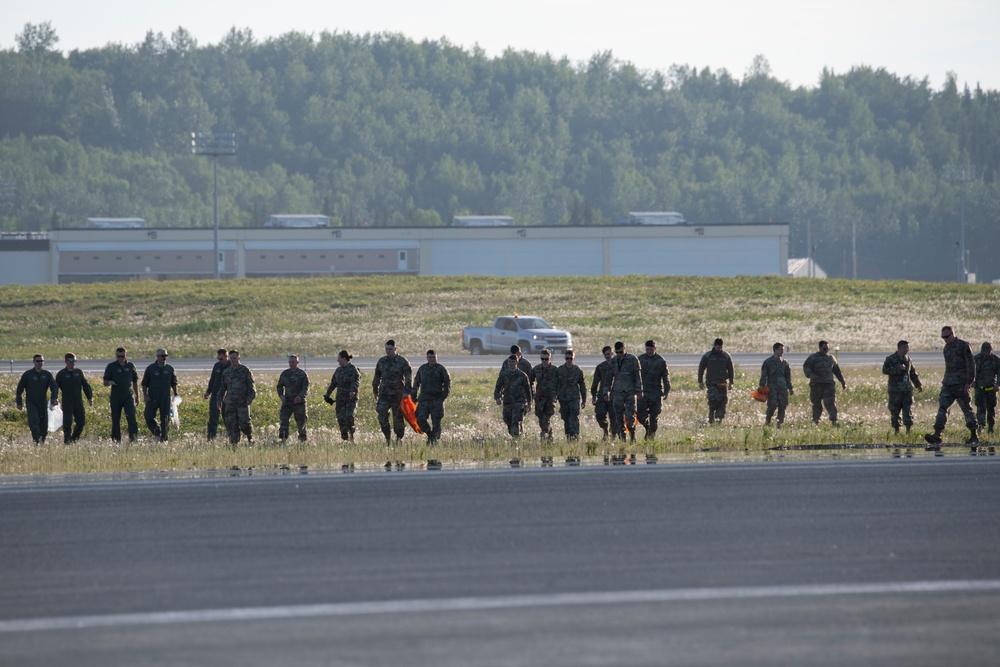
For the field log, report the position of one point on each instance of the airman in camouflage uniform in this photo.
(776, 375)
(36, 384)
(513, 391)
(624, 387)
(431, 386)
(571, 389)
(655, 388)
(599, 390)
(235, 397)
(959, 376)
(346, 381)
(390, 384)
(523, 364)
(716, 370)
(987, 371)
(293, 387)
(543, 378)
(902, 379)
(821, 368)
(73, 385)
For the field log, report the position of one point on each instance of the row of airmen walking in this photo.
(625, 391)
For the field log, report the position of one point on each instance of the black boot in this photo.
(973, 437)
(933, 438)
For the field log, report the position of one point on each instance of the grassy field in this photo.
(318, 317)
(473, 434)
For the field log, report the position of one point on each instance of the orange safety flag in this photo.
(409, 409)
(760, 394)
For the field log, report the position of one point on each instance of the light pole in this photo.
(961, 173)
(8, 190)
(214, 144)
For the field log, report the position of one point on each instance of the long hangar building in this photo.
(95, 255)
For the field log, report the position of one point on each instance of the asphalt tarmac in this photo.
(888, 562)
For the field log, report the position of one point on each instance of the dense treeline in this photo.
(382, 130)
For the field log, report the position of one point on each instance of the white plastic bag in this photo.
(55, 418)
(175, 417)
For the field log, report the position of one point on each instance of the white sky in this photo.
(918, 38)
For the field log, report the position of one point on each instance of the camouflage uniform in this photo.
(523, 365)
(236, 395)
(624, 382)
(346, 381)
(122, 398)
(213, 389)
(902, 379)
(36, 386)
(390, 384)
(655, 389)
(431, 386)
(293, 383)
(571, 389)
(821, 369)
(987, 370)
(715, 372)
(959, 372)
(514, 389)
(157, 383)
(599, 394)
(776, 375)
(73, 384)
(544, 381)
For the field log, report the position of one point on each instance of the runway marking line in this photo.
(490, 603)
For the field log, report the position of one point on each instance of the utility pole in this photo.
(854, 249)
(214, 144)
(961, 174)
(809, 248)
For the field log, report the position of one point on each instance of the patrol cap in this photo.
(162, 353)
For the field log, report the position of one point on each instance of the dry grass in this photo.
(474, 434)
(318, 317)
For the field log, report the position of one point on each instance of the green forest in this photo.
(874, 171)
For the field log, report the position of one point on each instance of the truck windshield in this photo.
(532, 323)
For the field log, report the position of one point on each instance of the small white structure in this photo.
(482, 221)
(297, 221)
(804, 267)
(115, 223)
(655, 218)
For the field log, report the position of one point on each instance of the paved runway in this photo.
(891, 562)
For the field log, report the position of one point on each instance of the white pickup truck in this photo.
(532, 334)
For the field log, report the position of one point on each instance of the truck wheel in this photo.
(476, 348)
(525, 346)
